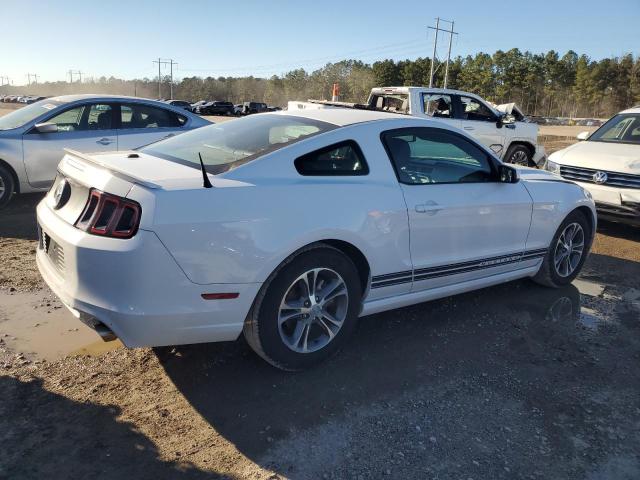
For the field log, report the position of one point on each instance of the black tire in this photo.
(6, 181)
(519, 155)
(548, 274)
(261, 326)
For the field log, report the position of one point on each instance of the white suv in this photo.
(607, 164)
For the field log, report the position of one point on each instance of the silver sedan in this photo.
(32, 138)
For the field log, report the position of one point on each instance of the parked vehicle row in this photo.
(33, 138)
(214, 107)
(28, 99)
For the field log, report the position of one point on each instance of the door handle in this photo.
(469, 128)
(168, 136)
(105, 141)
(510, 126)
(429, 207)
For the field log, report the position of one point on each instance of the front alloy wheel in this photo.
(568, 251)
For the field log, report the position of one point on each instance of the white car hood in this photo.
(529, 173)
(612, 157)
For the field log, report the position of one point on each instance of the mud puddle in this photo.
(39, 326)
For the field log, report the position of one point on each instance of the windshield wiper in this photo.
(205, 178)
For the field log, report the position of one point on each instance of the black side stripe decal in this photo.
(408, 276)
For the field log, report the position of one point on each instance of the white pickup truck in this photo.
(502, 128)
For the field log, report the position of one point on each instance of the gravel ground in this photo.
(515, 381)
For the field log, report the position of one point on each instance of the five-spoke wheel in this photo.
(307, 308)
(569, 249)
(313, 310)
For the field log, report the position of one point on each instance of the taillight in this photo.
(109, 215)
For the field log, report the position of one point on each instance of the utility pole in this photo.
(435, 49)
(70, 72)
(446, 70)
(435, 45)
(79, 75)
(3, 79)
(161, 62)
(171, 63)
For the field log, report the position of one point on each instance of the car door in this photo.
(464, 223)
(87, 127)
(141, 124)
(479, 121)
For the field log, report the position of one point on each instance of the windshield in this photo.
(226, 145)
(623, 128)
(24, 115)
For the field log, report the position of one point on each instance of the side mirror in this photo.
(583, 135)
(508, 174)
(46, 127)
(500, 121)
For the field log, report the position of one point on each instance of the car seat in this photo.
(401, 155)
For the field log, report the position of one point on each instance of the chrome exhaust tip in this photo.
(101, 329)
(105, 332)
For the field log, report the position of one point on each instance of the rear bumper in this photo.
(135, 288)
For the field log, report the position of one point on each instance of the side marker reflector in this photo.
(220, 296)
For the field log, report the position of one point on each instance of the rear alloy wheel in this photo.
(519, 155)
(567, 252)
(313, 310)
(7, 186)
(306, 310)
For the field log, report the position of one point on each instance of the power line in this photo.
(316, 60)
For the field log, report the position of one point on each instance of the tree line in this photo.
(546, 84)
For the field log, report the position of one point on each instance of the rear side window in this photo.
(340, 159)
(145, 116)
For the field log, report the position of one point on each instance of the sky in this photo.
(262, 38)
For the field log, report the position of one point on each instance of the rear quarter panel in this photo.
(241, 234)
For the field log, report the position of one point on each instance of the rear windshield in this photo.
(226, 145)
(25, 114)
(623, 128)
(390, 102)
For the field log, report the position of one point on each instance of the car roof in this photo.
(342, 116)
(635, 109)
(94, 96)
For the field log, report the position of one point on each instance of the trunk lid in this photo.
(121, 173)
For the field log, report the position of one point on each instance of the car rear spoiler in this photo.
(93, 159)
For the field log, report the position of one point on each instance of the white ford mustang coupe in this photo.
(289, 226)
